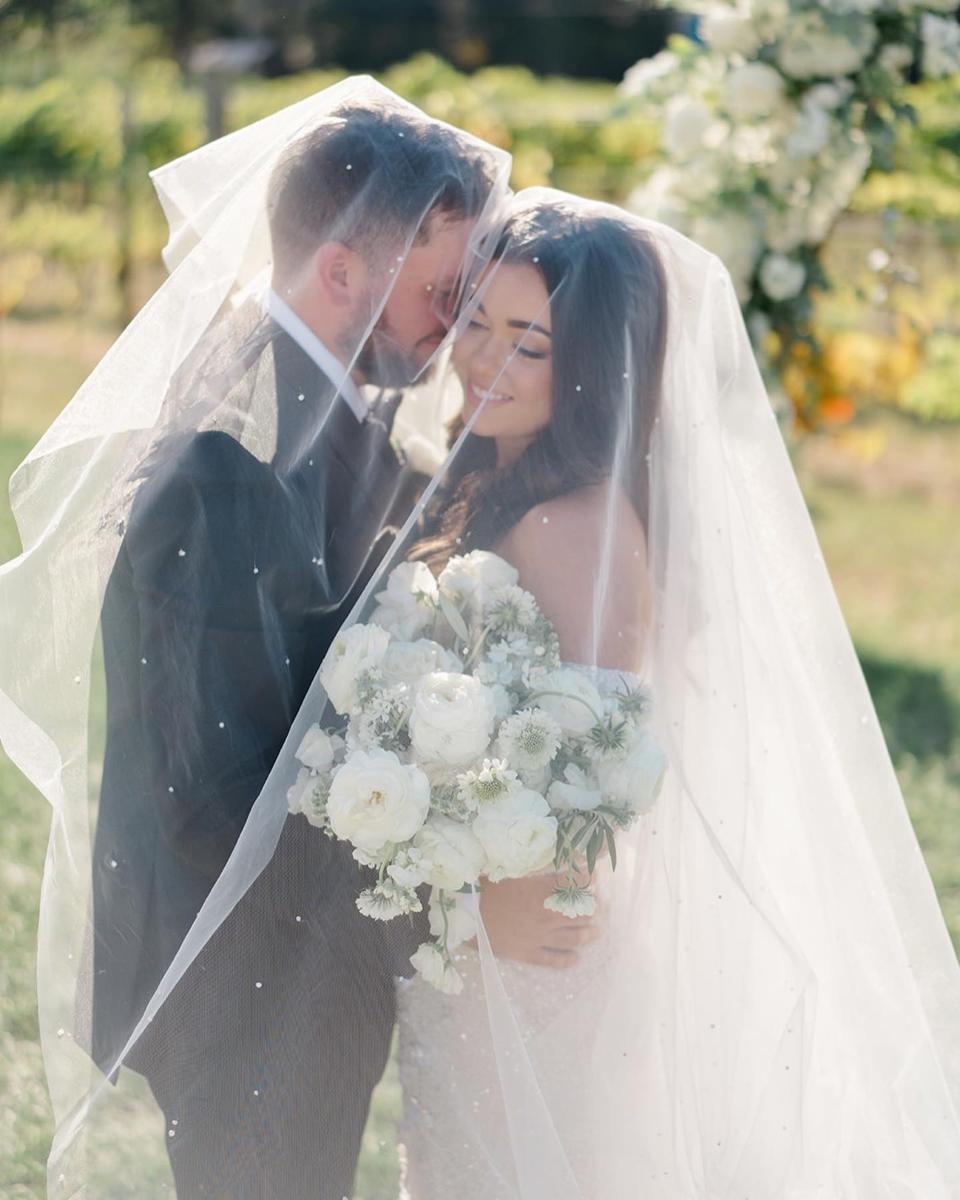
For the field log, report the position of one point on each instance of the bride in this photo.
(572, 296)
(750, 1011)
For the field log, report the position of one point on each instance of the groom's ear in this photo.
(340, 275)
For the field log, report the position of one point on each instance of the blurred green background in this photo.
(92, 96)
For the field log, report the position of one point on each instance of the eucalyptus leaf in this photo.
(611, 846)
(455, 620)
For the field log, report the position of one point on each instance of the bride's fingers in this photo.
(574, 935)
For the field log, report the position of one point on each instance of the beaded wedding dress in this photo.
(454, 1136)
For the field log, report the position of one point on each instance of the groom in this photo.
(259, 517)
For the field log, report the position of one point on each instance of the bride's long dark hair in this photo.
(608, 308)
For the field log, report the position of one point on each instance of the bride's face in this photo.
(504, 354)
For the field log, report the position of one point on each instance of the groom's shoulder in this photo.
(206, 469)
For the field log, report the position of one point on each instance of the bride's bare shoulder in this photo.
(598, 524)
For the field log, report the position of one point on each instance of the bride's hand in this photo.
(519, 927)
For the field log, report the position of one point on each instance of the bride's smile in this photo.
(504, 359)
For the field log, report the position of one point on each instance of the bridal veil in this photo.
(775, 1014)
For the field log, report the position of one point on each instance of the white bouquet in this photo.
(467, 751)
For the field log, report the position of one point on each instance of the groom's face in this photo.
(418, 313)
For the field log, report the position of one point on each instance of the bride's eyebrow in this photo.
(531, 326)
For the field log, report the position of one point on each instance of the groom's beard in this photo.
(386, 362)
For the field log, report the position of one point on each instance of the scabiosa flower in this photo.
(494, 780)
(634, 702)
(571, 901)
(530, 739)
(387, 900)
(510, 608)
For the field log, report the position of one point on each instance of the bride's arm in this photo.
(583, 556)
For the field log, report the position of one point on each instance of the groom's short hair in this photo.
(368, 178)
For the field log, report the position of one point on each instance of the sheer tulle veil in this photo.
(773, 1005)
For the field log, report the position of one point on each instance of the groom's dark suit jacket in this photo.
(236, 568)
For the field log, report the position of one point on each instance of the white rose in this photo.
(941, 46)
(407, 606)
(461, 923)
(811, 49)
(753, 90)
(317, 749)
(634, 781)
(437, 969)
(355, 650)
(452, 718)
(406, 662)
(729, 31)
(451, 856)
(473, 578)
(571, 699)
(685, 124)
(781, 277)
(810, 132)
(375, 799)
(518, 834)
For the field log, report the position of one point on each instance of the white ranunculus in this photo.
(571, 699)
(473, 578)
(734, 238)
(375, 799)
(452, 718)
(730, 31)
(406, 662)
(686, 121)
(781, 277)
(518, 834)
(317, 748)
(941, 46)
(635, 780)
(461, 923)
(450, 854)
(355, 650)
(437, 969)
(811, 49)
(753, 90)
(408, 603)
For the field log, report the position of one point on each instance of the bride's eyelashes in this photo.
(537, 354)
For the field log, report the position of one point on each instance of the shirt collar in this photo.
(307, 340)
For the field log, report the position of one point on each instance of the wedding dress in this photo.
(454, 1135)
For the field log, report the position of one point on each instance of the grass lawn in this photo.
(888, 522)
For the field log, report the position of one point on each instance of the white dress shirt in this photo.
(328, 362)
